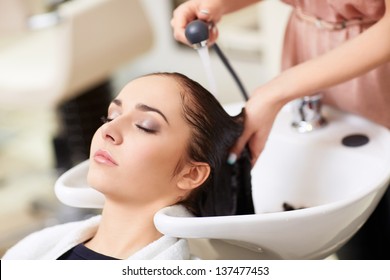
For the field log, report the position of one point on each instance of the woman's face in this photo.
(134, 155)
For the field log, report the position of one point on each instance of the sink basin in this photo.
(336, 186)
(92, 39)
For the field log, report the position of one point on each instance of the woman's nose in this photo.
(111, 132)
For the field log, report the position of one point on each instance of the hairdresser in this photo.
(338, 47)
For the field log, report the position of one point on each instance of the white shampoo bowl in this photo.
(338, 187)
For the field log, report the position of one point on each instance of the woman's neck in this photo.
(124, 231)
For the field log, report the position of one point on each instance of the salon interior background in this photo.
(251, 39)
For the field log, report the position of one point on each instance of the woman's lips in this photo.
(104, 157)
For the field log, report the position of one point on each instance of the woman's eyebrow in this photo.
(146, 108)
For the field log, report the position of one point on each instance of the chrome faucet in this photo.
(307, 113)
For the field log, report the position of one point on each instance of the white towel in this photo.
(50, 243)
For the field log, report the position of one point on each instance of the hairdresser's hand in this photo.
(208, 11)
(260, 113)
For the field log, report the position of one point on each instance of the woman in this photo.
(163, 142)
(338, 47)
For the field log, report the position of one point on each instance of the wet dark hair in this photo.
(214, 132)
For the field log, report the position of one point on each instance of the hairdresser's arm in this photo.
(357, 56)
(207, 10)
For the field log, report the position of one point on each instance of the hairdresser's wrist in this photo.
(272, 94)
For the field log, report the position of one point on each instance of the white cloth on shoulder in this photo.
(50, 243)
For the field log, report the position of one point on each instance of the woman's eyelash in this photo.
(105, 119)
(147, 130)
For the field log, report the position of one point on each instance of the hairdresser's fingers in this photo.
(213, 34)
(183, 15)
(255, 141)
(211, 14)
(237, 149)
(256, 146)
(260, 113)
(191, 10)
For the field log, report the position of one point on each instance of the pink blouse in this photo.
(317, 26)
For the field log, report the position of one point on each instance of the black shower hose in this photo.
(231, 70)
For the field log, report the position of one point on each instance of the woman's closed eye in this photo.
(110, 117)
(148, 126)
(105, 119)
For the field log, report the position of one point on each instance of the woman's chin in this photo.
(98, 180)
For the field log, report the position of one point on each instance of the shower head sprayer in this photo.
(197, 33)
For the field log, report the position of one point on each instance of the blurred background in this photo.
(61, 62)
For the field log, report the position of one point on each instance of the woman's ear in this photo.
(193, 175)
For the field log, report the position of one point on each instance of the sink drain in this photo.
(355, 140)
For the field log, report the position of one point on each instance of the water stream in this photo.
(205, 58)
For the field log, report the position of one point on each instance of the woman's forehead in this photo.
(160, 92)
(152, 86)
